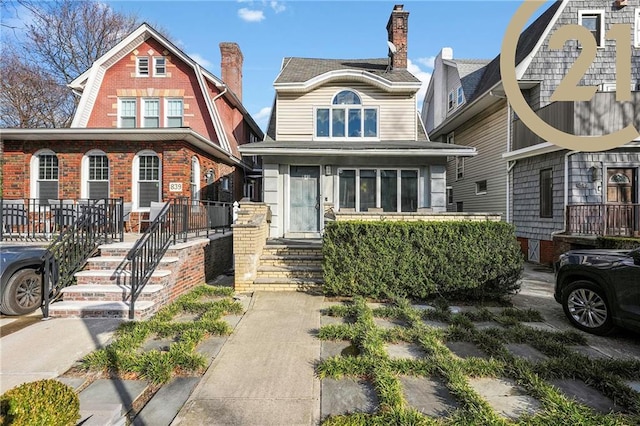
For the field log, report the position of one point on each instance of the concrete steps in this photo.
(290, 266)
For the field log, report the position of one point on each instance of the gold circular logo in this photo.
(524, 111)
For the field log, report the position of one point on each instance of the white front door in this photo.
(304, 199)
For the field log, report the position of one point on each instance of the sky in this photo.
(269, 30)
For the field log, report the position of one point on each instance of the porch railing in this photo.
(179, 220)
(31, 219)
(78, 240)
(618, 220)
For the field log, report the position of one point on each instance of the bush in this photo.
(420, 260)
(620, 243)
(44, 402)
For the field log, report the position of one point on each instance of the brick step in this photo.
(111, 293)
(266, 271)
(287, 284)
(296, 250)
(112, 262)
(91, 309)
(275, 260)
(111, 276)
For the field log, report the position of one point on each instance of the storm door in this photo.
(622, 215)
(304, 208)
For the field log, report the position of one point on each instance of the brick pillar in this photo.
(250, 233)
(231, 67)
(397, 29)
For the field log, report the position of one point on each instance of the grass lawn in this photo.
(374, 364)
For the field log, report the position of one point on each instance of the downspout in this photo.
(509, 166)
(566, 193)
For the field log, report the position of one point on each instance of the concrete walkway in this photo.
(264, 374)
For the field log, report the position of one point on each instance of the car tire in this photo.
(23, 293)
(585, 304)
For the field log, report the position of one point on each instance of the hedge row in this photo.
(420, 260)
(621, 243)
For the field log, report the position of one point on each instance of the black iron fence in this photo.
(33, 219)
(619, 220)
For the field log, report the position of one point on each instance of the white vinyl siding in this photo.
(487, 132)
(397, 114)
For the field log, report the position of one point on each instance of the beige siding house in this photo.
(345, 136)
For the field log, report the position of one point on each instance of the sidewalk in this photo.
(264, 373)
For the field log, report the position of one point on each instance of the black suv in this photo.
(600, 289)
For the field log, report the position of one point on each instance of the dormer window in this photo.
(142, 66)
(460, 96)
(346, 118)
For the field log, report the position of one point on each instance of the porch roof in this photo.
(369, 148)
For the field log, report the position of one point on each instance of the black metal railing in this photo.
(89, 224)
(34, 219)
(145, 255)
(196, 218)
(619, 220)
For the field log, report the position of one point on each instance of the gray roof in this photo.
(299, 70)
(470, 72)
(357, 145)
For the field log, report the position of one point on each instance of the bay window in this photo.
(392, 190)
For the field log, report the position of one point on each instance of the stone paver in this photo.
(463, 309)
(164, 405)
(232, 320)
(543, 326)
(589, 352)
(211, 347)
(156, 343)
(388, 323)
(580, 392)
(347, 396)
(505, 397)
(186, 317)
(72, 382)
(331, 348)
(423, 307)
(374, 305)
(527, 352)
(430, 397)
(465, 350)
(112, 391)
(405, 350)
(327, 319)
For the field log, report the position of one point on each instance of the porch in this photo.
(607, 220)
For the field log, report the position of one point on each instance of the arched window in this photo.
(195, 178)
(346, 118)
(44, 175)
(147, 178)
(95, 172)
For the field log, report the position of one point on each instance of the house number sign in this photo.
(568, 89)
(175, 186)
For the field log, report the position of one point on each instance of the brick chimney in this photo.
(231, 66)
(397, 28)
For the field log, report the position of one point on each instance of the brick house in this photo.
(151, 125)
(555, 197)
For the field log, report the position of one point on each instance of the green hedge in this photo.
(618, 243)
(44, 402)
(420, 260)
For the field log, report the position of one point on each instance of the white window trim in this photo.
(120, 100)
(478, 192)
(143, 116)
(155, 60)
(148, 74)
(166, 110)
(600, 12)
(459, 94)
(134, 179)
(34, 170)
(84, 172)
(637, 28)
(378, 186)
(345, 138)
(451, 100)
(450, 202)
(195, 166)
(459, 168)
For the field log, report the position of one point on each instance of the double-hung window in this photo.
(148, 179)
(127, 114)
(346, 118)
(174, 108)
(142, 66)
(151, 112)
(546, 193)
(392, 190)
(159, 66)
(593, 20)
(98, 176)
(47, 182)
(460, 96)
(451, 104)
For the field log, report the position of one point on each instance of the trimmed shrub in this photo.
(44, 402)
(420, 260)
(620, 243)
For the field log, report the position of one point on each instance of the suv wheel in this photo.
(586, 306)
(23, 293)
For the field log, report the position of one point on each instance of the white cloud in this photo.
(427, 62)
(200, 60)
(262, 117)
(423, 76)
(249, 15)
(277, 6)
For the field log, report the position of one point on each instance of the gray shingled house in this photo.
(346, 136)
(555, 197)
